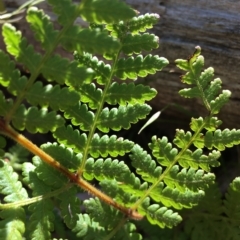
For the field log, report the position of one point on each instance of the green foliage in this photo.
(78, 103)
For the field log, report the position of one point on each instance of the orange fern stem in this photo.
(8, 131)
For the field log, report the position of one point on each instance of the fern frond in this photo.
(17, 46)
(210, 124)
(139, 67)
(71, 138)
(197, 159)
(105, 169)
(106, 11)
(102, 71)
(174, 198)
(86, 227)
(104, 212)
(5, 104)
(12, 223)
(70, 206)
(42, 217)
(121, 117)
(231, 204)
(42, 27)
(64, 155)
(35, 120)
(138, 43)
(188, 179)
(109, 218)
(62, 71)
(165, 154)
(12, 219)
(206, 88)
(143, 22)
(8, 73)
(222, 139)
(112, 146)
(124, 191)
(161, 216)
(129, 93)
(91, 95)
(163, 151)
(208, 220)
(48, 175)
(65, 10)
(52, 96)
(103, 146)
(89, 40)
(145, 165)
(80, 116)
(9, 184)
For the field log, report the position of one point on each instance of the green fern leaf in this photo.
(109, 219)
(133, 67)
(210, 124)
(88, 228)
(182, 139)
(102, 71)
(91, 95)
(138, 43)
(16, 86)
(112, 146)
(66, 11)
(129, 93)
(220, 101)
(89, 40)
(71, 138)
(35, 120)
(70, 206)
(105, 169)
(62, 71)
(222, 139)
(103, 146)
(161, 216)
(174, 198)
(42, 217)
(122, 192)
(18, 47)
(163, 151)
(231, 204)
(144, 164)
(5, 105)
(205, 88)
(188, 179)
(12, 224)
(63, 155)
(200, 226)
(9, 184)
(122, 117)
(197, 159)
(103, 213)
(49, 175)
(41, 220)
(42, 27)
(80, 115)
(8, 73)
(52, 96)
(143, 22)
(106, 11)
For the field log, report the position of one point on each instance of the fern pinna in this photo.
(79, 102)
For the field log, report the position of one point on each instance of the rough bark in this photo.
(214, 25)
